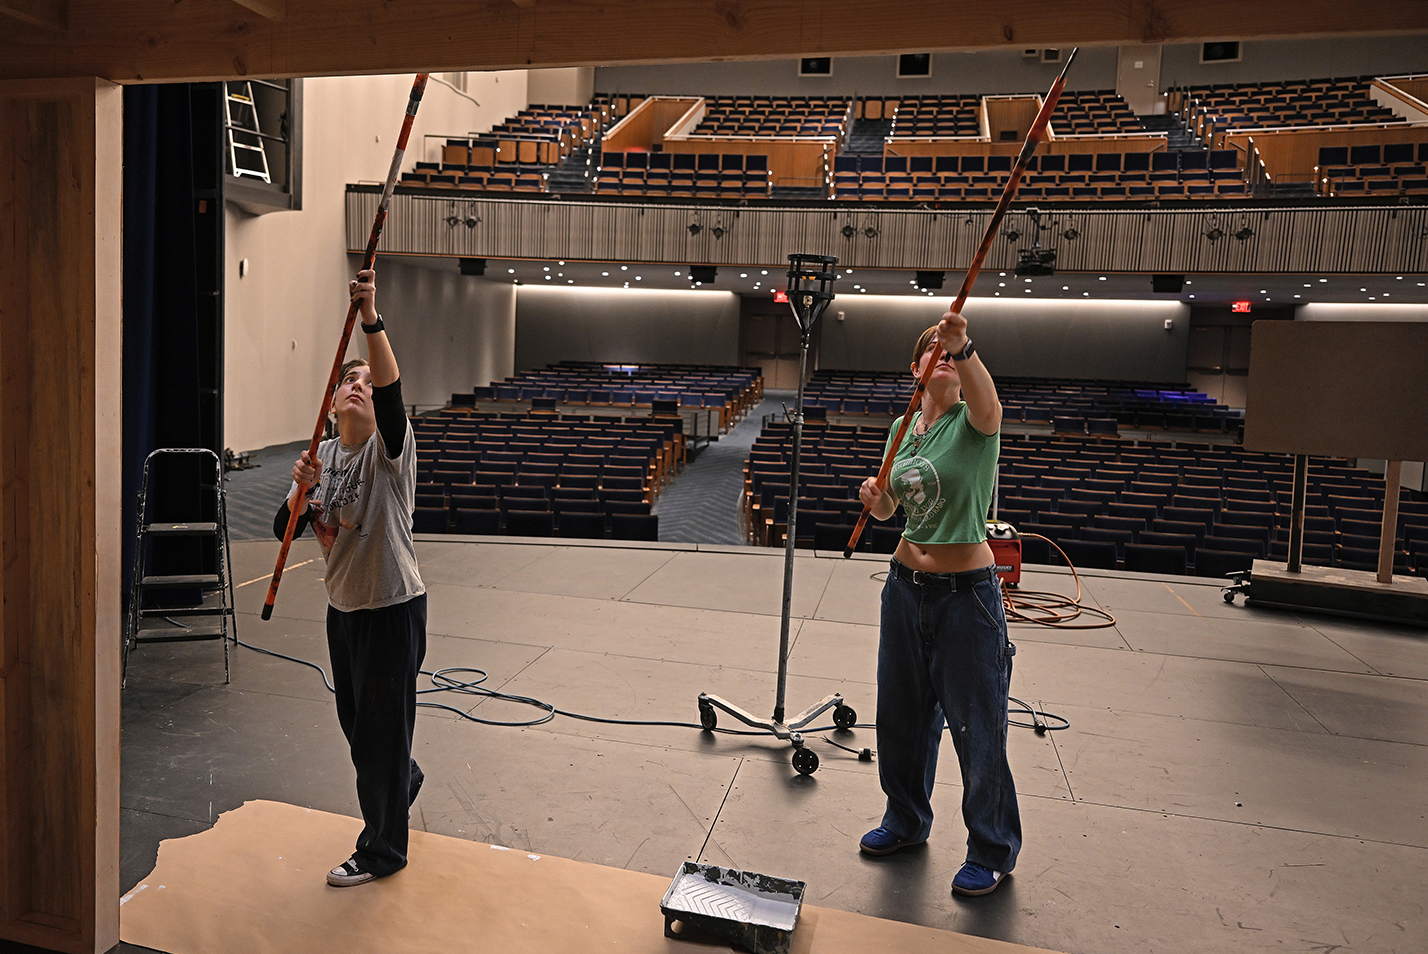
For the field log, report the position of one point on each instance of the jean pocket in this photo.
(993, 614)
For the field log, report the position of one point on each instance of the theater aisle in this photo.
(702, 504)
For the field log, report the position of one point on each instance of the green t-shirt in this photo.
(944, 480)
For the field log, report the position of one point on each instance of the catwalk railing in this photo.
(1359, 239)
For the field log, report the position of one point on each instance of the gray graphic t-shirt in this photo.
(362, 514)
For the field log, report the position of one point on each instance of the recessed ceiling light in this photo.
(1027, 280)
(1264, 291)
(1385, 294)
(1086, 294)
(547, 268)
(510, 271)
(1298, 296)
(639, 278)
(766, 271)
(1189, 282)
(1065, 287)
(560, 263)
(1363, 289)
(862, 289)
(548, 278)
(1027, 290)
(570, 281)
(1001, 284)
(1306, 285)
(676, 274)
(1398, 278)
(607, 274)
(560, 274)
(1192, 296)
(1323, 280)
(996, 294)
(624, 268)
(1102, 278)
(743, 274)
(1002, 274)
(1372, 298)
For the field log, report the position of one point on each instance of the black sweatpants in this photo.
(376, 657)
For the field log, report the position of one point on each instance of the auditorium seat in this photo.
(529, 523)
(1142, 558)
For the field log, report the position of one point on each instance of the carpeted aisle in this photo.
(702, 504)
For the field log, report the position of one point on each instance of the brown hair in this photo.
(354, 363)
(923, 343)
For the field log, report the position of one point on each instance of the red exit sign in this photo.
(1240, 306)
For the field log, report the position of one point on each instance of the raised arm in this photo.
(379, 350)
(984, 409)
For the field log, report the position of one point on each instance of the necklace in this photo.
(917, 437)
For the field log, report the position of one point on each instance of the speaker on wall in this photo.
(1167, 284)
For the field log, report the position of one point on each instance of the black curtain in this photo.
(162, 405)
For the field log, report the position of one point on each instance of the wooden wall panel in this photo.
(1290, 155)
(163, 41)
(60, 167)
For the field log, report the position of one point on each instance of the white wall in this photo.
(563, 87)
(283, 320)
(630, 325)
(1333, 311)
(1119, 340)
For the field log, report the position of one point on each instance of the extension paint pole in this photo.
(368, 258)
(1033, 136)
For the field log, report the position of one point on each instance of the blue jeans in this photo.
(943, 655)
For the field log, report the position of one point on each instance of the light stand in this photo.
(810, 289)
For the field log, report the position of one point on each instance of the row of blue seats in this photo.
(1194, 160)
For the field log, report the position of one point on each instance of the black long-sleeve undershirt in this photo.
(391, 416)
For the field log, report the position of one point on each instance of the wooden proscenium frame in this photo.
(1340, 389)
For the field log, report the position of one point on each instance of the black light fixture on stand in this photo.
(810, 289)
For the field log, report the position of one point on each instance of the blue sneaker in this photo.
(880, 841)
(973, 880)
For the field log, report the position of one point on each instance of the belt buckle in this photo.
(923, 578)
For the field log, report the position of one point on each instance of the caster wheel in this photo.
(845, 717)
(805, 761)
(1230, 598)
(708, 718)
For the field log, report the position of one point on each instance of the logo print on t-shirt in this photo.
(919, 489)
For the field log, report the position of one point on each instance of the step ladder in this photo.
(246, 154)
(181, 588)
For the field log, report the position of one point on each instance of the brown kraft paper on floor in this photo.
(254, 883)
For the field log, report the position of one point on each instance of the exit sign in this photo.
(1240, 306)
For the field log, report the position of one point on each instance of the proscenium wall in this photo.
(629, 325)
(1007, 71)
(1116, 340)
(283, 319)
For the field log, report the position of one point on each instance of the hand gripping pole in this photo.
(368, 257)
(1033, 136)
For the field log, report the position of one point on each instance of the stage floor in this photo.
(1234, 779)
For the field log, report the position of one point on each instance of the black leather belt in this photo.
(948, 581)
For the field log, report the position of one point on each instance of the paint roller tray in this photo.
(758, 912)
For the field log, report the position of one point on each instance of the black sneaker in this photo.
(349, 873)
(418, 776)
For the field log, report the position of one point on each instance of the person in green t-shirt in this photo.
(943, 652)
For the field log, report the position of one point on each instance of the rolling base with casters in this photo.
(805, 760)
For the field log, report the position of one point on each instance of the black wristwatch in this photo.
(962, 355)
(373, 329)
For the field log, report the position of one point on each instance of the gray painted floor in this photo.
(1233, 780)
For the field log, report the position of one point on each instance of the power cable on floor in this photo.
(443, 681)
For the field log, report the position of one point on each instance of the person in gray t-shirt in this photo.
(361, 493)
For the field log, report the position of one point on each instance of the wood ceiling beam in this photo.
(267, 9)
(157, 40)
(49, 15)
